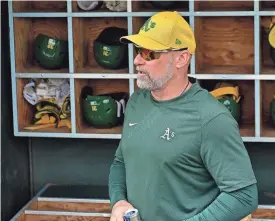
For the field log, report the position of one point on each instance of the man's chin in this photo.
(143, 85)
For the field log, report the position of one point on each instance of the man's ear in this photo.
(183, 59)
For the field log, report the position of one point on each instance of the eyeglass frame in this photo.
(162, 51)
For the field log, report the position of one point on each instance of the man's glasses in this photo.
(149, 55)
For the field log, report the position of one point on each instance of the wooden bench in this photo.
(42, 208)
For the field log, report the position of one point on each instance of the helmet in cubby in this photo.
(165, 5)
(50, 53)
(104, 110)
(108, 51)
(89, 5)
(116, 5)
(228, 94)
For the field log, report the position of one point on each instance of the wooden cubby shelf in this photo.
(232, 45)
(267, 93)
(267, 5)
(39, 6)
(247, 115)
(86, 30)
(26, 112)
(101, 8)
(225, 45)
(267, 66)
(25, 32)
(99, 87)
(151, 6)
(222, 6)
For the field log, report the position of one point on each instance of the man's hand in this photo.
(119, 209)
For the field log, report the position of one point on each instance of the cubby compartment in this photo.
(97, 87)
(39, 6)
(100, 6)
(155, 6)
(43, 105)
(246, 103)
(85, 32)
(267, 5)
(225, 45)
(266, 98)
(41, 45)
(267, 64)
(224, 5)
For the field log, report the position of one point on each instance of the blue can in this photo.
(132, 215)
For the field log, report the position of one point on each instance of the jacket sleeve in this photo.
(117, 175)
(226, 158)
(117, 183)
(232, 206)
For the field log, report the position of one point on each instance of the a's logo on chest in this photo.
(168, 134)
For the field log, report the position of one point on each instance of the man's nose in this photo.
(138, 60)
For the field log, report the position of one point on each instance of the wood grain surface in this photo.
(224, 5)
(225, 44)
(25, 110)
(74, 206)
(39, 6)
(29, 217)
(264, 214)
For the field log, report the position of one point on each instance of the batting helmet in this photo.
(229, 96)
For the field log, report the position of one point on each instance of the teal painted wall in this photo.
(85, 161)
(15, 190)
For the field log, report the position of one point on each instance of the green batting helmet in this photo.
(272, 109)
(229, 97)
(105, 110)
(50, 52)
(108, 51)
(163, 4)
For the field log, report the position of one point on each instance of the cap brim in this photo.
(143, 41)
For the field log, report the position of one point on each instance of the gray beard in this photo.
(147, 82)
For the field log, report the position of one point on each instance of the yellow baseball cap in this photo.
(271, 36)
(164, 30)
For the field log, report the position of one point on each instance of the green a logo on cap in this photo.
(148, 25)
(178, 42)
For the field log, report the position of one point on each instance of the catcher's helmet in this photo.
(229, 97)
(50, 52)
(108, 51)
(104, 110)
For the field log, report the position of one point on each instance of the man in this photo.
(181, 157)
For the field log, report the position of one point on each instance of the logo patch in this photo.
(148, 25)
(132, 124)
(168, 134)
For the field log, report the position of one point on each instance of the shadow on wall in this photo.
(14, 151)
(262, 156)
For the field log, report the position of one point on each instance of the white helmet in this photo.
(89, 5)
(116, 5)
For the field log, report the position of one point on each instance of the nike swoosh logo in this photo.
(132, 124)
